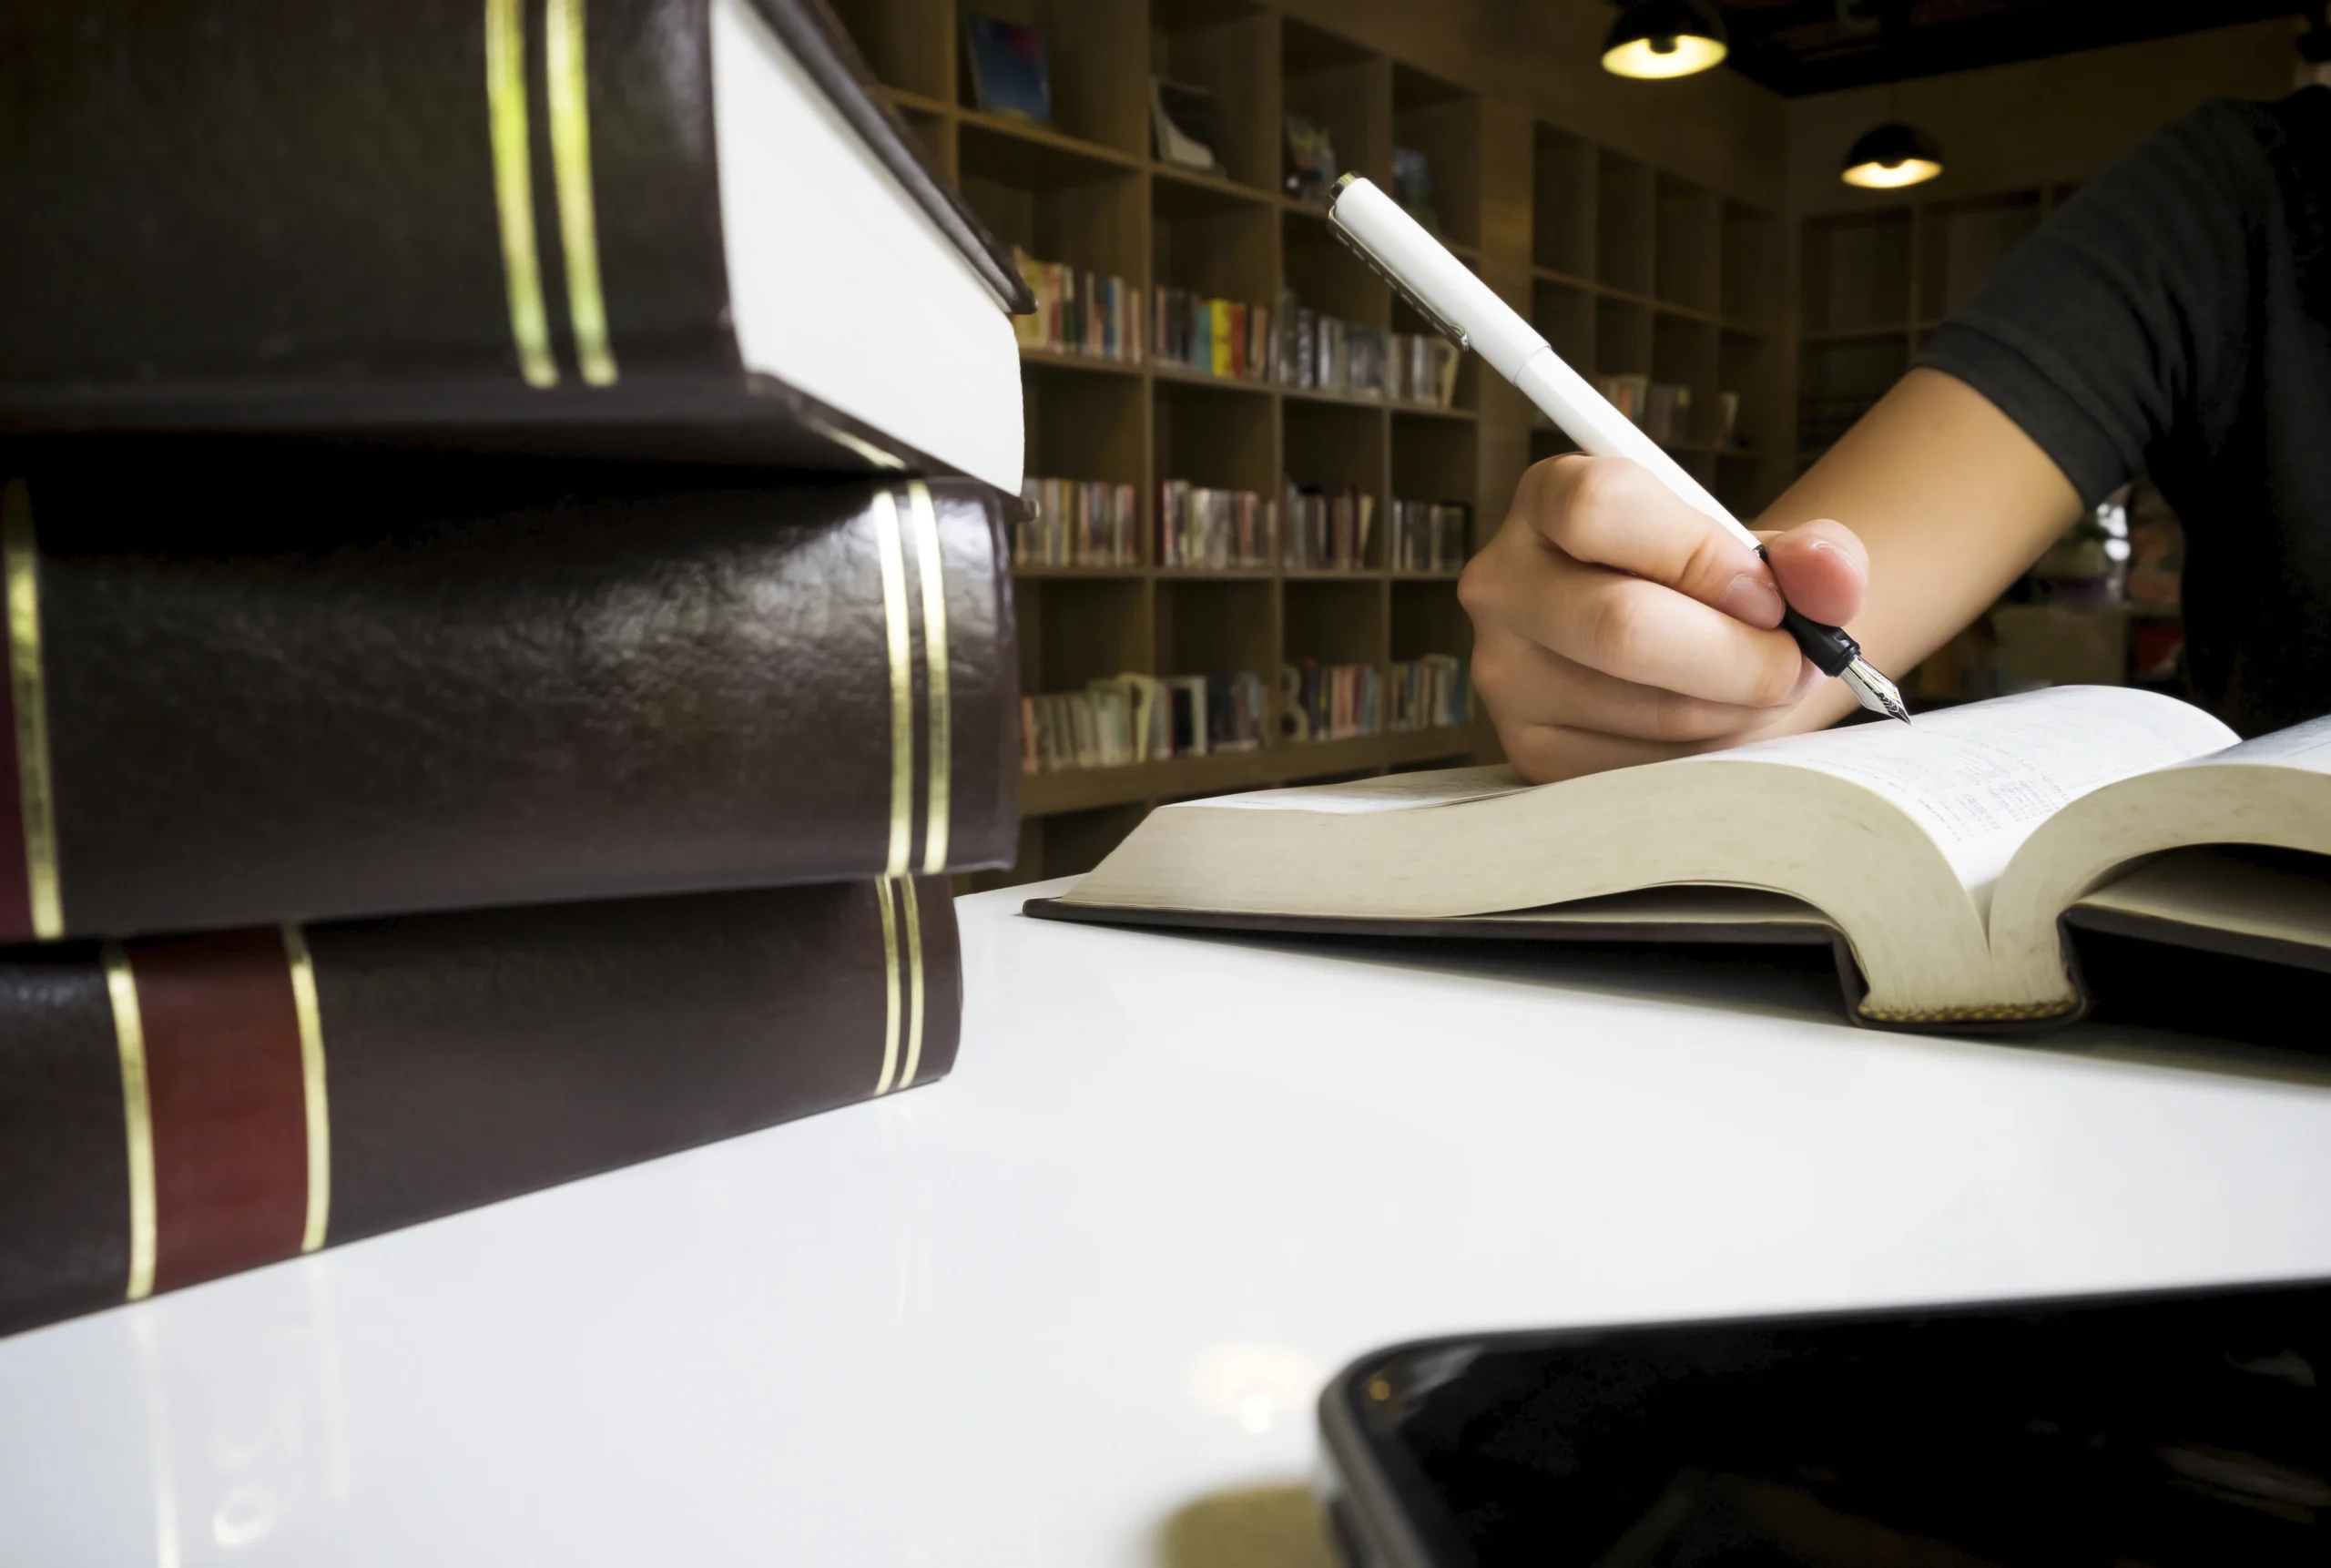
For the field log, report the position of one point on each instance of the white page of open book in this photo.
(2305, 745)
(1394, 792)
(1978, 780)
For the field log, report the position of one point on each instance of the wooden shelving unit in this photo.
(1631, 269)
(1875, 282)
(1636, 272)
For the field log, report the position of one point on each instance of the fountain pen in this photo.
(1445, 292)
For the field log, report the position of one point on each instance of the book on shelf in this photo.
(1412, 187)
(1330, 701)
(1319, 352)
(1630, 394)
(1421, 368)
(1428, 693)
(1096, 315)
(1667, 414)
(1011, 73)
(1217, 530)
(1327, 530)
(1947, 865)
(591, 252)
(1129, 719)
(1311, 169)
(250, 683)
(1077, 522)
(1185, 124)
(1214, 337)
(1429, 535)
(175, 1108)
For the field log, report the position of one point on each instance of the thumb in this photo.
(1822, 568)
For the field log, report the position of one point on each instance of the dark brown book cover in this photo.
(176, 1108)
(292, 214)
(253, 688)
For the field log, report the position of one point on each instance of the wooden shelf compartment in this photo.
(1092, 52)
(908, 45)
(1443, 122)
(1854, 270)
(1960, 243)
(1231, 49)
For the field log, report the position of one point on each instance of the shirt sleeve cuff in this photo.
(2040, 405)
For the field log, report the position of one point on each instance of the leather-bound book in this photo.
(279, 687)
(677, 229)
(176, 1108)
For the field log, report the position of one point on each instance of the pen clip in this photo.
(1400, 286)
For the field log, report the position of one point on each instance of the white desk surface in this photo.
(1073, 1305)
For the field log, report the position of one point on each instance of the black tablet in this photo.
(2163, 1431)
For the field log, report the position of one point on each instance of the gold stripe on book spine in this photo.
(891, 552)
(514, 187)
(311, 1086)
(889, 986)
(931, 566)
(35, 790)
(914, 985)
(137, 1116)
(570, 155)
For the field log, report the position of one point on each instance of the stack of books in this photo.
(1076, 523)
(1130, 718)
(506, 620)
(1327, 530)
(1201, 528)
(1089, 314)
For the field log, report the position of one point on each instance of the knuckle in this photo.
(1604, 492)
(1611, 633)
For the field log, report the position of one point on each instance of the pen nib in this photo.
(1874, 691)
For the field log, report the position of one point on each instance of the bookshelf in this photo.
(1875, 282)
(1625, 266)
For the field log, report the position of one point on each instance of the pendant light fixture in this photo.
(1892, 156)
(1658, 38)
(1896, 154)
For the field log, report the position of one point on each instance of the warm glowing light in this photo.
(1685, 53)
(1892, 175)
(1889, 156)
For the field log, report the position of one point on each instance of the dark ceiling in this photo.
(1796, 46)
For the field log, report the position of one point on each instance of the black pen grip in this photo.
(1829, 648)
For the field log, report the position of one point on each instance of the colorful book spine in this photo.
(1203, 529)
(1077, 522)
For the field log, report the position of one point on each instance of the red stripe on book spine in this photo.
(16, 876)
(230, 1132)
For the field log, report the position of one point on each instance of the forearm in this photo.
(1952, 500)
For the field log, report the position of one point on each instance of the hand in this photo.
(1616, 623)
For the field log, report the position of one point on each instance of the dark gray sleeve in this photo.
(2128, 314)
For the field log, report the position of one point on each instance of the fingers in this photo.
(1531, 686)
(1630, 629)
(1611, 513)
(1822, 568)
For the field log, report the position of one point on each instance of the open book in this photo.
(1941, 858)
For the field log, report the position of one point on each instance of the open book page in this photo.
(2305, 746)
(1394, 792)
(1980, 778)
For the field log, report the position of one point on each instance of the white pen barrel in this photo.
(1494, 328)
(1589, 419)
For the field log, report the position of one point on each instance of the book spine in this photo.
(173, 1109)
(321, 697)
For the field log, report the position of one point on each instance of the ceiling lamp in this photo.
(1891, 157)
(1657, 38)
